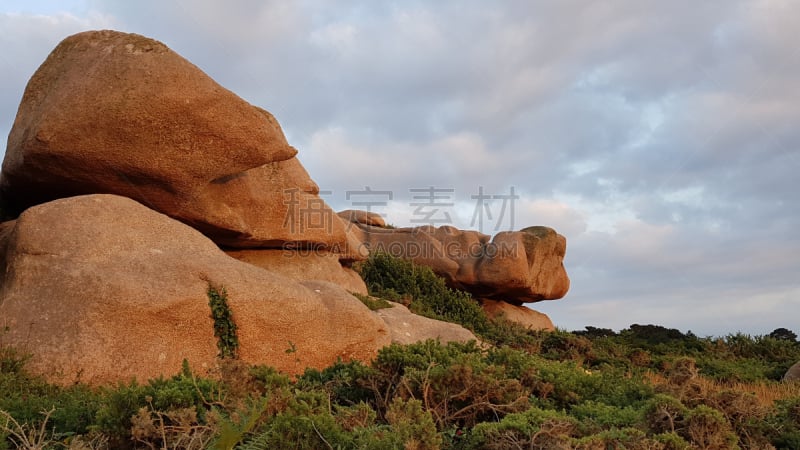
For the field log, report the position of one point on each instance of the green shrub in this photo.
(398, 279)
(616, 438)
(534, 428)
(12, 360)
(707, 428)
(561, 384)
(305, 423)
(784, 425)
(25, 396)
(457, 383)
(345, 382)
(413, 425)
(672, 441)
(664, 414)
(595, 416)
(268, 379)
(560, 345)
(119, 404)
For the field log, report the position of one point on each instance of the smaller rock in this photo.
(406, 327)
(363, 217)
(529, 318)
(793, 374)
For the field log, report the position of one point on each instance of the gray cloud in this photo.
(659, 137)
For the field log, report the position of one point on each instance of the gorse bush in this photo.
(425, 293)
(424, 395)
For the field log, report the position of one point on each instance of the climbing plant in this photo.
(224, 325)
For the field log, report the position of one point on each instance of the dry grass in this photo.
(767, 392)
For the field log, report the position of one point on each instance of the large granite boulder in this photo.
(100, 288)
(303, 265)
(118, 113)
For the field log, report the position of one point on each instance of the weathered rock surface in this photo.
(529, 318)
(516, 267)
(362, 217)
(119, 113)
(303, 265)
(524, 266)
(416, 244)
(102, 288)
(793, 374)
(406, 327)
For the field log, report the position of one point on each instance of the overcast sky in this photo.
(661, 138)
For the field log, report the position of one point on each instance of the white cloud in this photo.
(552, 213)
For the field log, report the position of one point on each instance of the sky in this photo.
(661, 138)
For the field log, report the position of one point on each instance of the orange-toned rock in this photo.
(467, 248)
(102, 288)
(529, 318)
(303, 265)
(362, 217)
(524, 266)
(119, 113)
(516, 267)
(406, 327)
(417, 244)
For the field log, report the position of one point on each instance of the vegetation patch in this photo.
(373, 303)
(224, 325)
(645, 387)
(421, 290)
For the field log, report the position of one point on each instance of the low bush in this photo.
(424, 292)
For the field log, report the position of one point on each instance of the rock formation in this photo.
(406, 327)
(793, 374)
(303, 265)
(513, 267)
(516, 267)
(141, 183)
(365, 217)
(522, 315)
(120, 290)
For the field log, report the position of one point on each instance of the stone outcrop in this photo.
(141, 183)
(793, 374)
(533, 320)
(406, 327)
(516, 267)
(102, 288)
(363, 217)
(119, 113)
(303, 265)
